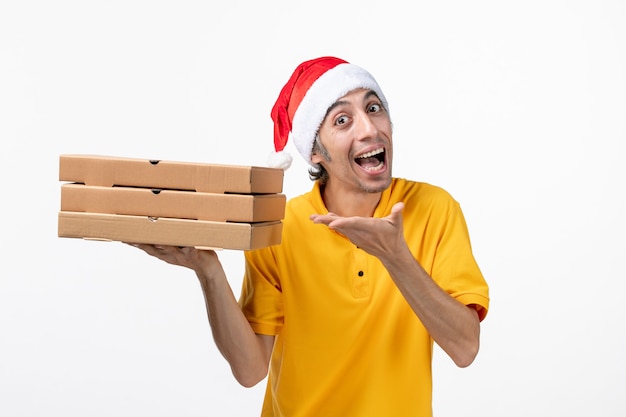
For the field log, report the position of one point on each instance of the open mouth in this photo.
(372, 161)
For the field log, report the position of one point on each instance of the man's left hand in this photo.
(380, 237)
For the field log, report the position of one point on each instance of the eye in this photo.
(341, 120)
(374, 108)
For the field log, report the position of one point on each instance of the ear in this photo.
(319, 154)
(316, 158)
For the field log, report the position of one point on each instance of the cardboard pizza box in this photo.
(156, 202)
(109, 171)
(168, 231)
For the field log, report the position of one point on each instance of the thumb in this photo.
(396, 212)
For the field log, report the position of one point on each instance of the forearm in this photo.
(452, 325)
(246, 352)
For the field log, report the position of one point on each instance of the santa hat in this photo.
(314, 86)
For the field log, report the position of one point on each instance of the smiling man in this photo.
(371, 271)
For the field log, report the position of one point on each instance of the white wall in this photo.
(517, 108)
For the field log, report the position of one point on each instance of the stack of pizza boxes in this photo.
(170, 203)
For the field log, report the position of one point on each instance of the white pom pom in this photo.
(280, 159)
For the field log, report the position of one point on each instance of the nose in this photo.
(364, 126)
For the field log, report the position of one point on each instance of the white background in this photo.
(517, 108)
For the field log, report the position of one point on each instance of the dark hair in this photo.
(318, 172)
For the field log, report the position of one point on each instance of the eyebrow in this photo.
(369, 94)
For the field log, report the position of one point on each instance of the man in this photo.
(370, 271)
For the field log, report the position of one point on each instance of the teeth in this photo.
(377, 167)
(372, 153)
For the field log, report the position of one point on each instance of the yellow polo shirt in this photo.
(347, 342)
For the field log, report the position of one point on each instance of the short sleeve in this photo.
(261, 295)
(454, 268)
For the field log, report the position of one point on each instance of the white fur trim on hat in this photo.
(280, 159)
(326, 90)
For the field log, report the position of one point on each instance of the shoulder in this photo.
(422, 192)
(307, 203)
(302, 202)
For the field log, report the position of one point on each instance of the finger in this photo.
(141, 246)
(320, 218)
(396, 212)
(154, 250)
(397, 208)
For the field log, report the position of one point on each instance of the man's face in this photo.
(356, 133)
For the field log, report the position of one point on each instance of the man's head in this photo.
(353, 149)
(305, 99)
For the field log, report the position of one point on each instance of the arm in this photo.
(454, 326)
(247, 353)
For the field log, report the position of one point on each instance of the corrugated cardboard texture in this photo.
(165, 231)
(175, 204)
(107, 171)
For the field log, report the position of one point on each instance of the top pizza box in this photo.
(108, 171)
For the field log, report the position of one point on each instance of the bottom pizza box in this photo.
(168, 231)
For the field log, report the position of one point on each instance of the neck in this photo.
(345, 204)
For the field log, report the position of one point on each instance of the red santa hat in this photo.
(303, 102)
